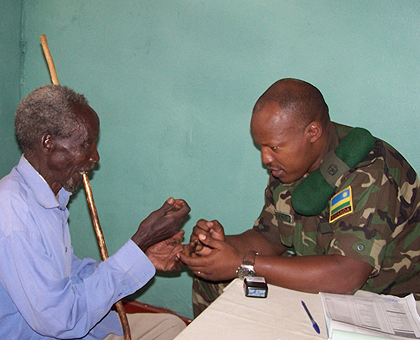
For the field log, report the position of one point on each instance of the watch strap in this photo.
(249, 257)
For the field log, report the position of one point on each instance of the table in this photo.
(280, 316)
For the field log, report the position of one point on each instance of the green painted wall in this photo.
(10, 76)
(174, 83)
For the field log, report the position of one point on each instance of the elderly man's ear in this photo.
(47, 144)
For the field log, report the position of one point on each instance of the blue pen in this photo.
(314, 324)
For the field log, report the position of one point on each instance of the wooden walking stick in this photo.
(93, 213)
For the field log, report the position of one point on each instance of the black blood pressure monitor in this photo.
(255, 286)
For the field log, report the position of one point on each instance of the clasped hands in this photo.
(207, 255)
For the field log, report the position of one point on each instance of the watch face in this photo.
(245, 270)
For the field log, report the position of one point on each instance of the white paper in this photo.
(378, 316)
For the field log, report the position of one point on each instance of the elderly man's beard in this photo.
(71, 185)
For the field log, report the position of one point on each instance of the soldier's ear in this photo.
(314, 131)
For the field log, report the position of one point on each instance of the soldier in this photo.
(341, 208)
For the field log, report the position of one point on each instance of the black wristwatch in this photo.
(247, 266)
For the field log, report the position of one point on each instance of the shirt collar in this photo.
(40, 188)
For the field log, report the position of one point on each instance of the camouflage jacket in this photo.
(380, 224)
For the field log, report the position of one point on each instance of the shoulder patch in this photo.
(341, 204)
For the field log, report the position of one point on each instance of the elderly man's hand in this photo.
(161, 224)
(164, 253)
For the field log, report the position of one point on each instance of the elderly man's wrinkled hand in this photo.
(161, 224)
(163, 254)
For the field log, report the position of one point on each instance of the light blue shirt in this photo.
(45, 291)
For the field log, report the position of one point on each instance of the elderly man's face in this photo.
(76, 154)
(286, 149)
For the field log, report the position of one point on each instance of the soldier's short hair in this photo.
(296, 97)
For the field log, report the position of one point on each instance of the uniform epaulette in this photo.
(313, 193)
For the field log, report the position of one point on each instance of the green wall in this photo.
(174, 83)
(10, 77)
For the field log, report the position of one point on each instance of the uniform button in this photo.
(360, 247)
(336, 242)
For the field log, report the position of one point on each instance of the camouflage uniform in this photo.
(204, 293)
(381, 227)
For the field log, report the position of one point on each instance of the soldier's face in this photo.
(286, 149)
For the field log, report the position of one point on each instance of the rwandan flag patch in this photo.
(341, 204)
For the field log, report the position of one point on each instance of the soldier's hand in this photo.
(207, 228)
(218, 264)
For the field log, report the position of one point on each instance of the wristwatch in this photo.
(247, 266)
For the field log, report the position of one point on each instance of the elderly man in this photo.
(46, 292)
(341, 208)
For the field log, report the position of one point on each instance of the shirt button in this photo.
(360, 247)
